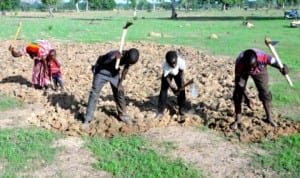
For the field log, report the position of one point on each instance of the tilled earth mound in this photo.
(63, 112)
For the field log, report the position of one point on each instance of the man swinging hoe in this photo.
(253, 62)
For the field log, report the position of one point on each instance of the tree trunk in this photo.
(154, 5)
(223, 7)
(77, 7)
(174, 14)
(134, 13)
(87, 6)
(51, 11)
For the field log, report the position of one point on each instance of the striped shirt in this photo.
(263, 59)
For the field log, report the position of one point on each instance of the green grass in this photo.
(133, 157)
(282, 98)
(283, 156)
(24, 150)
(7, 102)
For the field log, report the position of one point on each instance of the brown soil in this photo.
(206, 150)
(72, 162)
(63, 111)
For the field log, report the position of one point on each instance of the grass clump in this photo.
(283, 156)
(133, 157)
(7, 102)
(23, 150)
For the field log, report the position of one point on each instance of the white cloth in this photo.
(168, 70)
(273, 61)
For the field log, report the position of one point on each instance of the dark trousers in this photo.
(163, 95)
(261, 81)
(98, 82)
(57, 80)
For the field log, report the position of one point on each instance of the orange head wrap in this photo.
(32, 48)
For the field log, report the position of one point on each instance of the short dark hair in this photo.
(131, 56)
(250, 57)
(170, 56)
(52, 50)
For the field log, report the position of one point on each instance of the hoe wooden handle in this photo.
(122, 42)
(268, 42)
(17, 34)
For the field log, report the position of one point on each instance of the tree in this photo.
(142, 4)
(133, 4)
(188, 4)
(6, 5)
(281, 3)
(51, 5)
(87, 5)
(76, 2)
(174, 14)
(226, 3)
(102, 4)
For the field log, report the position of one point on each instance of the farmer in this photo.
(55, 73)
(104, 71)
(37, 51)
(173, 67)
(253, 62)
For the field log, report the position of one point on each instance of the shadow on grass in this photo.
(31, 17)
(92, 19)
(223, 18)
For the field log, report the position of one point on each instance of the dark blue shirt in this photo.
(106, 64)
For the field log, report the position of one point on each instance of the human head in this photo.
(52, 54)
(250, 59)
(32, 49)
(131, 56)
(171, 58)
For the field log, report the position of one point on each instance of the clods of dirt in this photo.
(63, 112)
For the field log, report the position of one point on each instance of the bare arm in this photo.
(284, 70)
(123, 76)
(14, 53)
(57, 62)
(124, 73)
(181, 74)
(174, 89)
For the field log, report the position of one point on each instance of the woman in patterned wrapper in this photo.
(38, 51)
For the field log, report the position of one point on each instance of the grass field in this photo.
(23, 150)
(283, 156)
(191, 29)
(7, 102)
(134, 157)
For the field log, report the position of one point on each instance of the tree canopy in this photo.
(102, 4)
(9, 4)
(50, 2)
